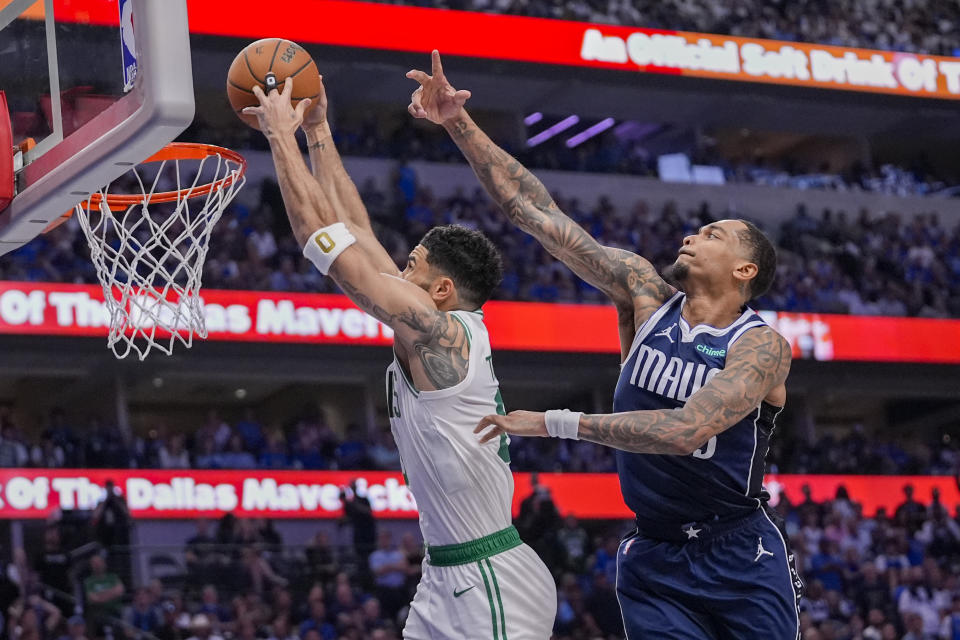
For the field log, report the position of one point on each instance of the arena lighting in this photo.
(589, 132)
(533, 118)
(549, 132)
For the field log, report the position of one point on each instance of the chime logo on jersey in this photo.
(669, 377)
(710, 351)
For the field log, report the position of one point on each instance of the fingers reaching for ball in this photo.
(276, 115)
(316, 116)
(302, 107)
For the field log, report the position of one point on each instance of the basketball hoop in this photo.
(149, 247)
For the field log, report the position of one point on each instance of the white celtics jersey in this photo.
(463, 490)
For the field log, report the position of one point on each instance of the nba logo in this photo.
(128, 44)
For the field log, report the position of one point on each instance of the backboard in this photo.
(99, 85)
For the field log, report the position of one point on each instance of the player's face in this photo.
(418, 270)
(710, 253)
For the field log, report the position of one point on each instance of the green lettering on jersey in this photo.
(501, 410)
(504, 450)
(393, 411)
(393, 399)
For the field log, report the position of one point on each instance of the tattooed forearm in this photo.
(639, 432)
(328, 170)
(758, 362)
(626, 278)
(365, 302)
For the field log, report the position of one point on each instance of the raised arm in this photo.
(436, 338)
(337, 184)
(756, 369)
(629, 280)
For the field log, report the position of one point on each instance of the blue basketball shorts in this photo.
(709, 581)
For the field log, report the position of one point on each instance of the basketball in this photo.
(282, 58)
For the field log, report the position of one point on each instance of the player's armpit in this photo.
(626, 329)
(435, 339)
(375, 251)
(647, 290)
(757, 363)
(445, 353)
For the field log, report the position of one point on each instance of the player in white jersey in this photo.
(492, 586)
(479, 580)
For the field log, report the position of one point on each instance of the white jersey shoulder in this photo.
(463, 490)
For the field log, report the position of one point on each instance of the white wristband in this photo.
(563, 423)
(326, 244)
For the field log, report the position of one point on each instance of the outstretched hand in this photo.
(435, 99)
(516, 423)
(276, 114)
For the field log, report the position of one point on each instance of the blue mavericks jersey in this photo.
(668, 362)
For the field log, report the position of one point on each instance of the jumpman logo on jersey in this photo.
(761, 551)
(666, 332)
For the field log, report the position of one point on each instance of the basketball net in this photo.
(149, 246)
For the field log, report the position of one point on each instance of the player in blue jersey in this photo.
(701, 384)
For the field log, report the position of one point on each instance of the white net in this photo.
(149, 249)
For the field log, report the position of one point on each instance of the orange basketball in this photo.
(254, 66)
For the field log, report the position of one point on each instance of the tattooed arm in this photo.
(431, 343)
(756, 368)
(629, 280)
(757, 365)
(435, 343)
(337, 184)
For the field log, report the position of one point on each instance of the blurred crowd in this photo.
(867, 265)
(303, 441)
(887, 179)
(375, 135)
(890, 576)
(857, 453)
(921, 26)
(832, 261)
(307, 442)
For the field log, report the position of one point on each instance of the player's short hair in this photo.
(763, 254)
(468, 258)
